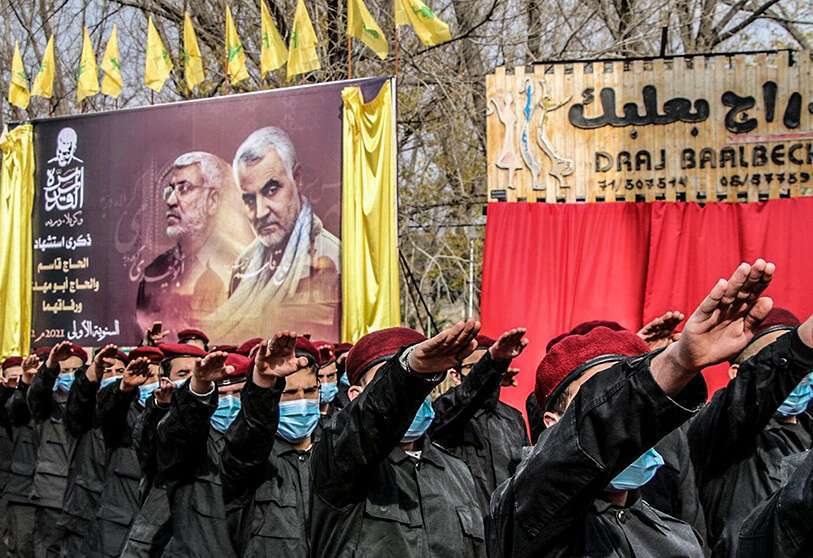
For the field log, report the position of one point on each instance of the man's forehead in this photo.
(254, 175)
(116, 363)
(13, 371)
(71, 362)
(188, 173)
(180, 363)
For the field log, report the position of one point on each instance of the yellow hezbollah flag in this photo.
(157, 65)
(87, 82)
(430, 30)
(362, 25)
(112, 81)
(44, 82)
(302, 56)
(18, 88)
(273, 52)
(235, 57)
(370, 291)
(192, 60)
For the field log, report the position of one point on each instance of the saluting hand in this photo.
(135, 375)
(660, 332)
(276, 358)
(31, 365)
(62, 351)
(100, 359)
(509, 345)
(719, 328)
(446, 349)
(163, 395)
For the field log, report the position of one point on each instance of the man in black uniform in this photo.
(12, 368)
(189, 442)
(118, 406)
(739, 440)
(471, 421)
(23, 461)
(266, 460)
(379, 486)
(576, 493)
(86, 473)
(47, 399)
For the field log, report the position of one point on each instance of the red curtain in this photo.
(550, 266)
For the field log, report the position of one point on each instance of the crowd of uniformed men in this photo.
(400, 446)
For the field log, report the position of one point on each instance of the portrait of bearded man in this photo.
(288, 277)
(190, 280)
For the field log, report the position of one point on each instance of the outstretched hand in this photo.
(211, 368)
(31, 365)
(660, 332)
(446, 349)
(719, 328)
(135, 375)
(100, 359)
(276, 358)
(62, 351)
(509, 345)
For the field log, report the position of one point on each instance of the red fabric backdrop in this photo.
(550, 266)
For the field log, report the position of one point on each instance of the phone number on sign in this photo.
(766, 178)
(659, 183)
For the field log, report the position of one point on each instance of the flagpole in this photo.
(152, 97)
(397, 51)
(349, 57)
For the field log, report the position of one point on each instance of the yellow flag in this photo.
(362, 25)
(44, 81)
(302, 55)
(370, 299)
(235, 57)
(430, 30)
(157, 64)
(273, 53)
(87, 78)
(192, 60)
(112, 81)
(18, 87)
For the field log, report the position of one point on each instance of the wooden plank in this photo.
(522, 177)
(492, 139)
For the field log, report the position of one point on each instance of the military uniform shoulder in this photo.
(507, 410)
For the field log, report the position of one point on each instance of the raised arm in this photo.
(373, 424)
(455, 408)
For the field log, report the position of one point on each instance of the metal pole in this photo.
(470, 312)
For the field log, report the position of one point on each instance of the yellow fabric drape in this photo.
(16, 202)
(370, 293)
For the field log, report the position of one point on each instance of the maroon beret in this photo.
(484, 341)
(12, 361)
(78, 351)
(307, 349)
(154, 354)
(326, 352)
(777, 318)
(341, 348)
(42, 352)
(191, 333)
(120, 356)
(570, 357)
(176, 350)
(245, 348)
(584, 328)
(224, 348)
(377, 347)
(241, 365)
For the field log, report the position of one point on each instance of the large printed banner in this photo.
(221, 214)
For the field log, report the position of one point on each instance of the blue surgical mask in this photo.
(64, 382)
(798, 400)
(639, 472)
(327, 392)
(111, 380)
(228, 406)
(344, 380)
(145, 391)
(298, 419)
(420, 424)
(179, 383)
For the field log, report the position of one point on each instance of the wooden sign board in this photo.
(734, 127)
